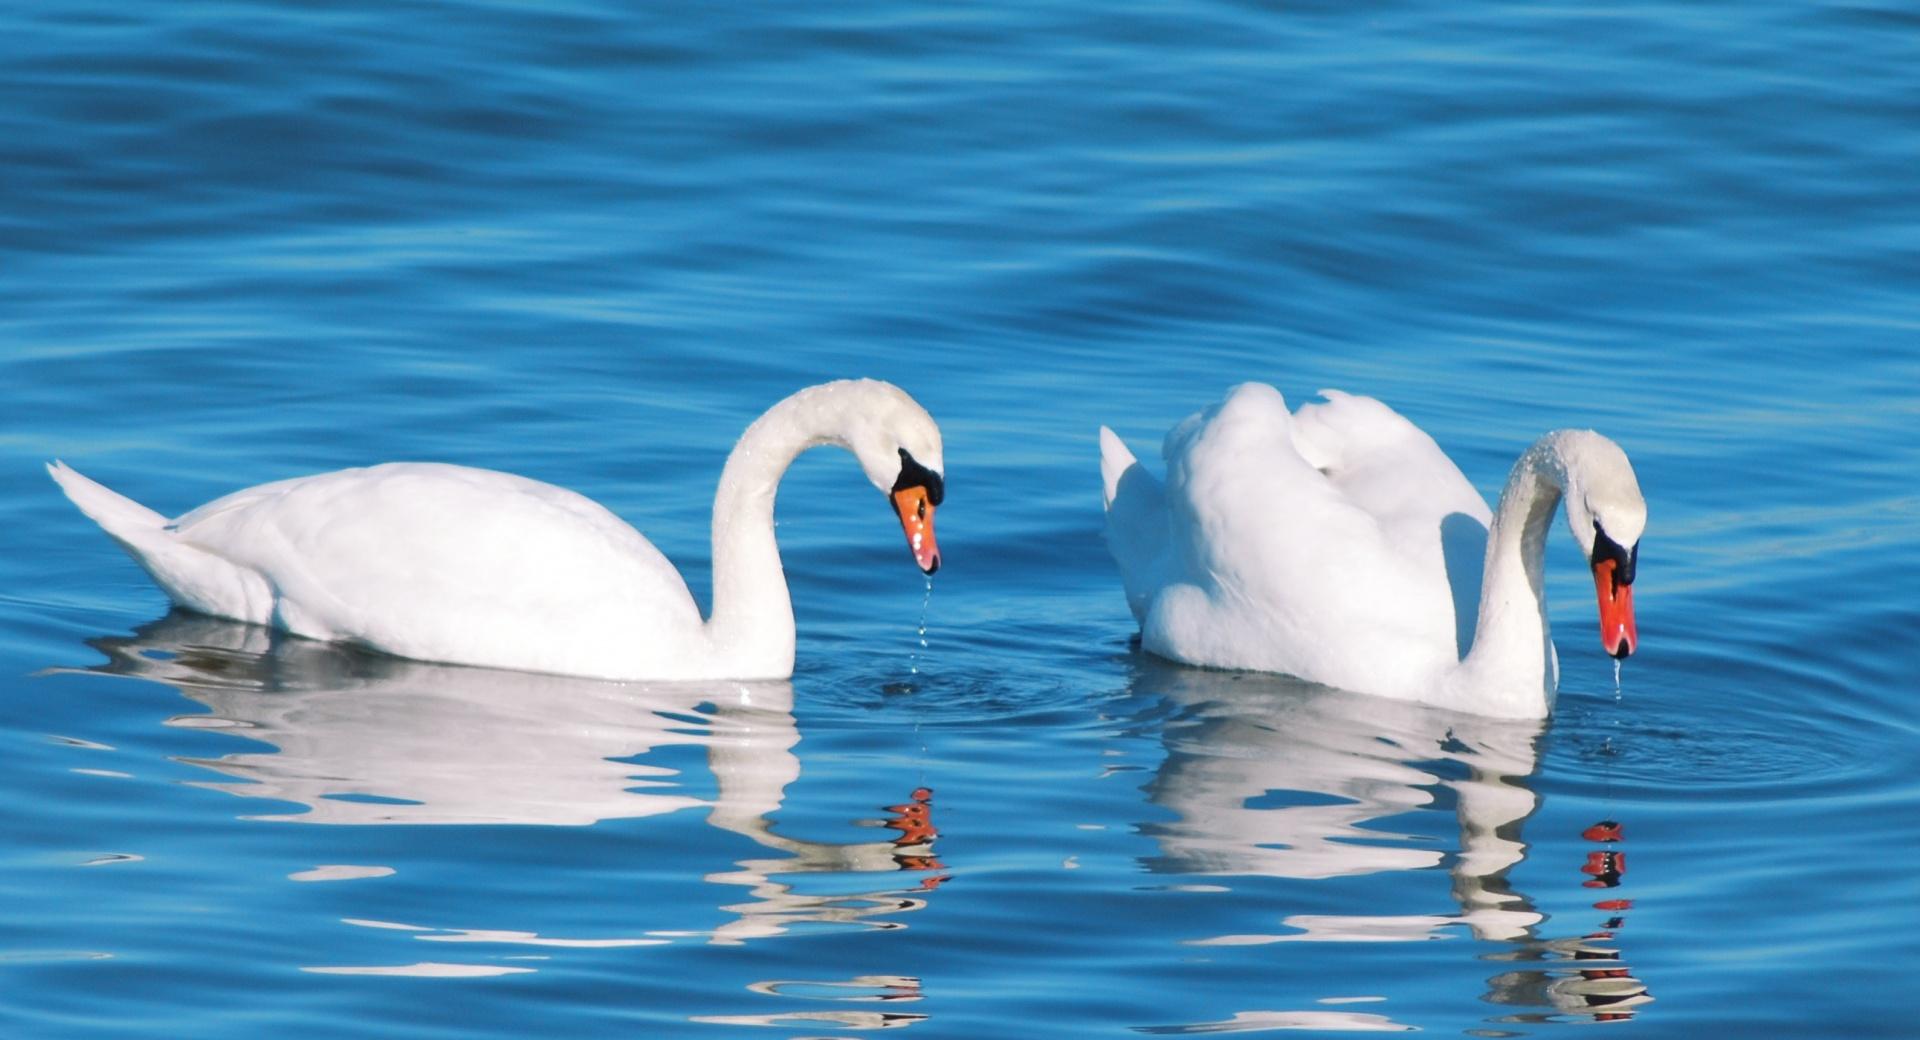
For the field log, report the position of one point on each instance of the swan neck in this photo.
(1512, 648)
(752, 617)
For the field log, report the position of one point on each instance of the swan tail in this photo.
(129, 522)
(191, 576)
(1115, 460)
(1136, 506)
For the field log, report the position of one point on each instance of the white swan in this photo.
(1340, 545)
(446, 563)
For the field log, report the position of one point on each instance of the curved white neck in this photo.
(1511, 660)
(752, 620)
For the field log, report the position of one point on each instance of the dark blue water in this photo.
(589, 244)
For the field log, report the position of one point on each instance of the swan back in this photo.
(439, 562)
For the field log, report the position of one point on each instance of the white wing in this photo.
(1426, 508)
(1269, 563)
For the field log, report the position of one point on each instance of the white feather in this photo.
(1341, 545)
(472, 566)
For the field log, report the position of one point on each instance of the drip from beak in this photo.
(1616, 609)
(916, 519)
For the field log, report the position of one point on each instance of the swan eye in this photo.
(913, 474)
(1624, 559)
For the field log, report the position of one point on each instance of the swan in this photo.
(453, 564)
(1340, 545)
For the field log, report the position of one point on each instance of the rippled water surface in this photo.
(242, 242)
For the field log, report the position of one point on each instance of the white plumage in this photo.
(449, 563)
(1341, 545)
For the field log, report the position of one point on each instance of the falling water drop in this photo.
(1616, 667)
(913, 659)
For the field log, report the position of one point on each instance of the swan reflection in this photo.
(1269, 776)
(355, 738)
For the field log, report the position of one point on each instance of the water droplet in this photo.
(913, 659)
(1616, 678)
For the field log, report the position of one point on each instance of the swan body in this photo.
(1339, 544)
(471, 566)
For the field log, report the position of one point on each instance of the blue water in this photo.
(241, 242)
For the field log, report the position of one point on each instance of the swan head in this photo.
(898, 445)
(1607, 514)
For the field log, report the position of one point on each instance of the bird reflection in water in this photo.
(1582, 977)
(357, 738)
(1268, 776)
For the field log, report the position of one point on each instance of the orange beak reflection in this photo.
(1616, 610)
(916, 519)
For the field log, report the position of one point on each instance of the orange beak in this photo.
(1616, 610)
(916, 519)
